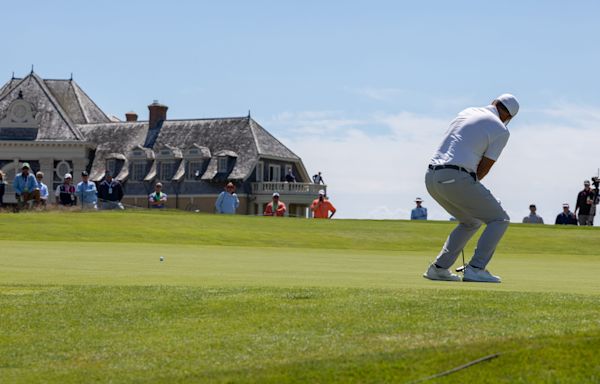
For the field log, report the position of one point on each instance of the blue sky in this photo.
(360, 90)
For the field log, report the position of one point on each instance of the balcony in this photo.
(298, 189)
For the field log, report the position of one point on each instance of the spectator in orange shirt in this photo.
(322, 206)
(275, 207)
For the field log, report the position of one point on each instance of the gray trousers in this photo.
(471, 204)
(585, 219)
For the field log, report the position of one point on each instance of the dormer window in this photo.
(168, 160)
(194, 169)
(139, 165)
(139, 169)
(222, 165)
(166, 169)
(197, 158)
(111, 166)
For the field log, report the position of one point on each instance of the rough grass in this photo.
(286, 301)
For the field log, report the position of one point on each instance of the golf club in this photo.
(462, 267)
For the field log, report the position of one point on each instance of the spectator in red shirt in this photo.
(275, 207)
(322, 206)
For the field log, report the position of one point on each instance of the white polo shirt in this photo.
(474, 133)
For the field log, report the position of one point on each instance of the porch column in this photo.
(47, 167)
(79, 166)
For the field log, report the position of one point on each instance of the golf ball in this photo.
(162, 258)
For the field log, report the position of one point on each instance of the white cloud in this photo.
(314, 122)
(371, 174)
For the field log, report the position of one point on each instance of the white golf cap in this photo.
(510, 102)
(67, 176)
(418, 200)
(275, 194)
(321, 192)
(565, 205)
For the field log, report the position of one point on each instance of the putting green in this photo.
(58, 263)
(327, 301)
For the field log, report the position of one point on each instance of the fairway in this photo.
(85, 298)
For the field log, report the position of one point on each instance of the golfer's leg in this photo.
(484, 206)
(467, 226)
(455, 243)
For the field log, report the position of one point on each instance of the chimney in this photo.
(131, 116)
(158, 114)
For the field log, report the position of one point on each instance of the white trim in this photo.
(34, 143)
(61, 174)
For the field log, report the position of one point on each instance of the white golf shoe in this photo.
(480, 275)
(435, 273)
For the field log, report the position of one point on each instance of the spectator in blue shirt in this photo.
(228, 201)
(43, 188)
(419, 212)
(86, 192)
(25, 187)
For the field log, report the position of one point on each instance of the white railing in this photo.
(287, 188)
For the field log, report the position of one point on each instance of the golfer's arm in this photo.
(484, 167)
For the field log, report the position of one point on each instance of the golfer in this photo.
(470, 148)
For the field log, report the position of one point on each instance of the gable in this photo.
(54, 122)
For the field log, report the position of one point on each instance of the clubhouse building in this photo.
(57, 128)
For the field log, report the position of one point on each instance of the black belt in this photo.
(450, 166)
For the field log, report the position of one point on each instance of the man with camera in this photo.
(586, 204)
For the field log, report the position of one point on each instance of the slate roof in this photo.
(241, 138)
(268, 145)
(80, 108)
(69, 114)
(112, 138)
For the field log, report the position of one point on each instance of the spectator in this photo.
(158, 198)
(2, 188)
(318, 179)
(275, 207)
(566, 217)
(290, 177)
(533, 217)
(419, 212)
(585, 202)
(87, 193)
(322, 206)
(65, 193)
(110, 193)
(228, 201)
(43, 188)
(25, 187)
